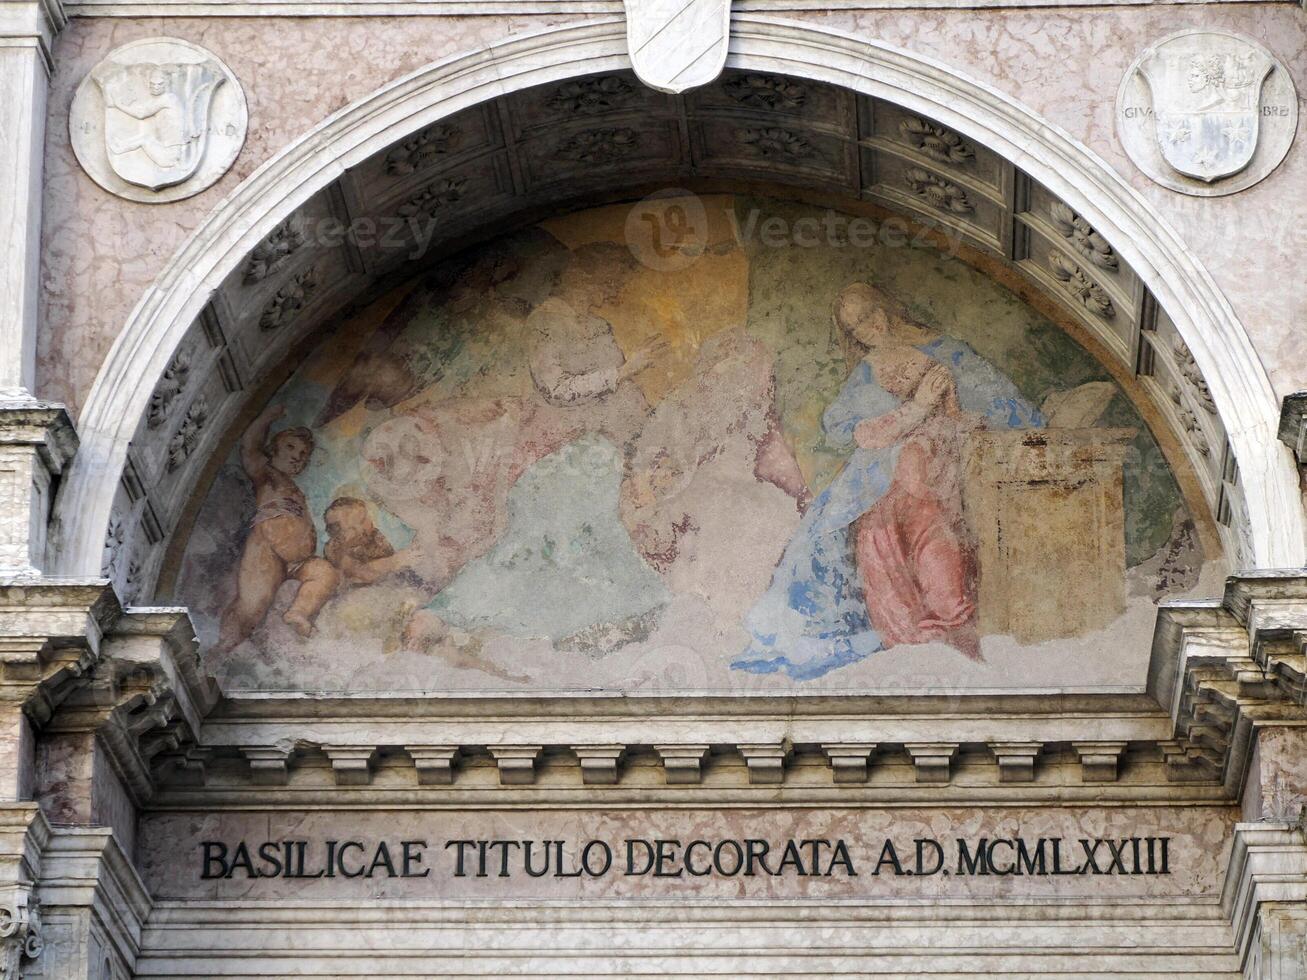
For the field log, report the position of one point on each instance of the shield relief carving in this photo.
(677, 45)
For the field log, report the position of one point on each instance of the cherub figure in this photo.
(355, 545)
(282, 540)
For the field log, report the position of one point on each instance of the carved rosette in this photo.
(599, 145)
(1082, 237)
(1188, 368)
(288, 301)
(766, 92)
(940, 194)
(423, 150)
(187, 436)
(434, 198)
(774, 143)
(1190, 422)
(273, 251)
(591, 95)
(172, 384)
(940, 144)
(1079, 284)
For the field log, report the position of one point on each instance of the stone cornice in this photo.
(1222, 669)
(145, 698)
(454, 8)
(50, 634)
(35, 22)
(43, 425)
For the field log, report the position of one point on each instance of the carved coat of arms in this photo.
(156, 118)
(1207, 95)
(677, 45)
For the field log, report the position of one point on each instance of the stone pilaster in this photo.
(24, 835)
(36, 443)
(27, 32)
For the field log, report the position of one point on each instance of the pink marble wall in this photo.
(1276, 788)
(171, 856)
(101, 253)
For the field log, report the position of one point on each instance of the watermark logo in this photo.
(667, 231)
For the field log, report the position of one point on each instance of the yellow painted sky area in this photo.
(672, 311)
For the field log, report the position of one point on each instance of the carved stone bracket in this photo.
(434, 763)
(51, 632)
(141, 704)
(1293, 425)
(599, 763)
(1099, 761)
(1224, 670)
(848, 760)
(766, 762)
(517, 763)
(351, 764)
(933, 760)
(682, 764)
(1016, 760)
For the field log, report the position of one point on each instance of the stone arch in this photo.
(1203, 318)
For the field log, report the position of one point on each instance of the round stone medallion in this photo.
(1207, 112)
(158, 120)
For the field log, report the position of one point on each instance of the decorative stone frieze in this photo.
(36, 443)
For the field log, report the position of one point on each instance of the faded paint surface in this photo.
(784, 466)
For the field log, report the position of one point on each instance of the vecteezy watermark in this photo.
(667, 230)
(670, 230)
(411, 235)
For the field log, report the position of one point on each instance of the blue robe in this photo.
(813, 617)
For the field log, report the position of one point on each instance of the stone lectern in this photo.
(1046, 508)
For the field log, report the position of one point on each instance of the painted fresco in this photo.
(789, 466)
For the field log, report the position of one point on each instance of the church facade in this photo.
(560, 487)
